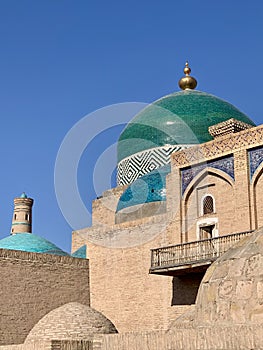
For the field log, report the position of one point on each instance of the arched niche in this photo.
(218, 185)
(257, 186)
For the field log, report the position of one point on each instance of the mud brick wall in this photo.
(32, 285)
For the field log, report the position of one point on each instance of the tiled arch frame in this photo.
(190, 188)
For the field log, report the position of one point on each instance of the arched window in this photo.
(208, 205)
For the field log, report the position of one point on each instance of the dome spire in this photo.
(187, 82)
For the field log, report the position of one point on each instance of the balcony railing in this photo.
(193, 253)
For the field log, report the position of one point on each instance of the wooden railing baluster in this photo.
(193, 252)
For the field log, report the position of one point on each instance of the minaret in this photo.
(22, 217)
(187, 82)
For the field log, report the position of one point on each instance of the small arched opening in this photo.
(208, 205)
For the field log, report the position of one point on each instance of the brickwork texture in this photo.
(121, 287)
(32, 285)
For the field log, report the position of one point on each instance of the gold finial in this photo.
(187, 82)
(187, 69)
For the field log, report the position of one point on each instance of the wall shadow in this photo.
(185, 288)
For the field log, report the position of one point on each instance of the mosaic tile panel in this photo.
(224, 164)
(255, 159)
(149, 188)
(139, 164)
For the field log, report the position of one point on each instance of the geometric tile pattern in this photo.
(225, 164)
(218, 146)
(255, 159)
(141, 163)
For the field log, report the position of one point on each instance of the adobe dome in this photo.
(232, 288)
(29, 242)
(71, 321)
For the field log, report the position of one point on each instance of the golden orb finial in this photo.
(187, 82)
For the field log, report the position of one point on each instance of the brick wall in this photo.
(54, 345)
(32, 285)
(14, 347)
(35, 346)
(103, 208)
(71, 345)
(185, 338)
(121, 287)
(189, 338)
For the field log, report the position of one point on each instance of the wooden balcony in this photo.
(193, 256)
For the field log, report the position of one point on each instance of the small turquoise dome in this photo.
(80, 253)
(23, 195)
(181, 118)
(29, 242)
(148, 188)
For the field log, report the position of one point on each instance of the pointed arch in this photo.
(257, 175)
(256, 196)
(190, 203)
(200, 176)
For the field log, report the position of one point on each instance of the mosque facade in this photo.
(174, 256)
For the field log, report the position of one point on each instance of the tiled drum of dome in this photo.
(142, 163)
(147, 189)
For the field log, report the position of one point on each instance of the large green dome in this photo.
(182, 118)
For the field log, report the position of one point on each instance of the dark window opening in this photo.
(208, 205)
(206, 232)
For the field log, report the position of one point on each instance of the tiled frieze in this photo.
(225, 164)
(139, 164)
(255, 156)
(219, 147)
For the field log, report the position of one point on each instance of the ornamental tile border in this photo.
(142, 163)
(222, 146)
(225, 164)
(255, 157)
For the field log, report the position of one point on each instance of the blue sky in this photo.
(61, 60)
